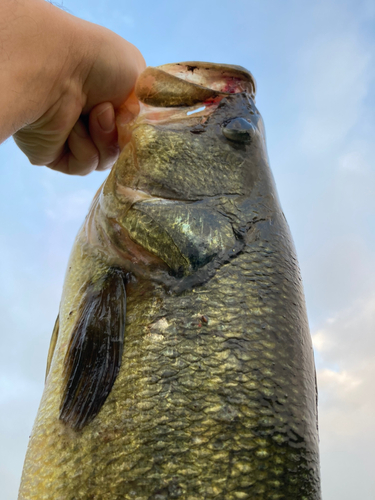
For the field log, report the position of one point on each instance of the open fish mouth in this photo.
(164, 118)
(180, 91)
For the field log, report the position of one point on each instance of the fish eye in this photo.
(238, 130)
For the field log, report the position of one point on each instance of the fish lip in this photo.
(153, 116)
(199, 72)
(132, 195)
(135, 196)
(177, 114)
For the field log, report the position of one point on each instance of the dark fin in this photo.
(93, 358)
(52, 345)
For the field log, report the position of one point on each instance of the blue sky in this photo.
(314, 66)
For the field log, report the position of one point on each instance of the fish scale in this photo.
(229, 424)
(216, 393)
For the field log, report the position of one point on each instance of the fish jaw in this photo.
(186, 84)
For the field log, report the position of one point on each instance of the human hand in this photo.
(81, 73)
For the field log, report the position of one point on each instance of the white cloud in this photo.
(346, 375)
(320, 339)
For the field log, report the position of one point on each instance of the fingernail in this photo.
(80, 129)
(106, 119)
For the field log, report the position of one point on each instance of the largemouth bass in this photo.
(181, 364)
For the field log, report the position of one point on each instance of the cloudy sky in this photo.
(314, 65)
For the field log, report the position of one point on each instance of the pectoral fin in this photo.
(94, 354)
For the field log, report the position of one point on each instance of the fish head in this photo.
(198, 133)
(192, 138)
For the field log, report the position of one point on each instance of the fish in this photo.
(181, 364)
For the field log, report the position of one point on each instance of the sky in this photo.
(314, 66)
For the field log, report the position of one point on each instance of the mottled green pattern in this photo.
(216, 394)
(205, 410)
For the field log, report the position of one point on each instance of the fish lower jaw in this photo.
(129, 196)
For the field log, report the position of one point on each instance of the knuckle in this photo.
(113, 151)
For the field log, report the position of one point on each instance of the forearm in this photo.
(36, 41)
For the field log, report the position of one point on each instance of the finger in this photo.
(103, 133)
(80, 156)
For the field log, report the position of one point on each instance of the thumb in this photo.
(115, 68)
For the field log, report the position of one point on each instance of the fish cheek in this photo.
(93, 358)
(186, 236)
(126, 169)
(145, 231)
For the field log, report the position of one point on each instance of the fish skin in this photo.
(216, 394)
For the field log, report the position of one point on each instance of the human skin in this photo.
(61, 80)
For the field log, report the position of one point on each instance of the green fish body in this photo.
(181, 365)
